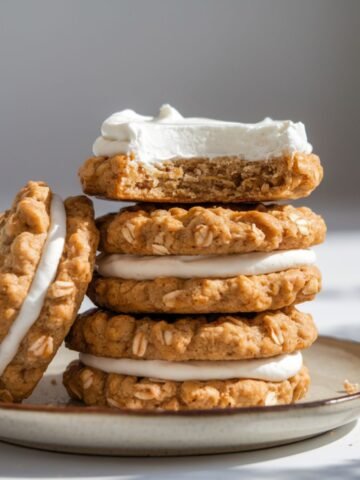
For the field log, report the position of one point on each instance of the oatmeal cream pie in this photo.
(247, 282)
(146, 229)
(159, 384)
(169, 158)
(47, 253)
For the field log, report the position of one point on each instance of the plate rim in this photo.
(81, 409)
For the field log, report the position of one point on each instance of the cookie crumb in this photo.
(53, 382)
(351, 388)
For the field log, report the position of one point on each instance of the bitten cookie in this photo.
(169, 158)
(47, 253)
(95, 387)
(223, 179)
(184, 338)
(204, 230)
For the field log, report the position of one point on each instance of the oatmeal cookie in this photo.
(255, 293)
(221, 179)
(95, 387)
(203, 230)
(185, 338)
(64, 294)
(23, 232)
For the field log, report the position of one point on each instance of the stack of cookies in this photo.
(196, 291)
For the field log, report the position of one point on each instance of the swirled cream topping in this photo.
(169, 135)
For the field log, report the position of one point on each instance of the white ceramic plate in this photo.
(48, 421)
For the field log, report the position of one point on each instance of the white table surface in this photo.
(334, 455)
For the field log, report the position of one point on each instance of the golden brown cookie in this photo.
(221, 179)
(23, 231)
(199, 230)
(24, 240)
(183, 338)
(95, 387)
(255, 293)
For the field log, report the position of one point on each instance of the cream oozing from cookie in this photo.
(137, 267)
(169, 136)
(275, 369)
(44, 276)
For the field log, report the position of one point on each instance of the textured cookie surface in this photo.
(200, 230)
(223, 179)
(61, 304)
(95, 387)
(23, 232)
(184, 338)
(229, 295)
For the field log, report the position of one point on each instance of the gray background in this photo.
(66, 65)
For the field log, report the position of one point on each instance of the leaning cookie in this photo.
(203, 230)
(97, 387)
(47, 255)
(169, 158)
(240, 293)
(185, 338)
(23, 232)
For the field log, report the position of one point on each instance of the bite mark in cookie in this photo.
(169, 158)
(225, 179)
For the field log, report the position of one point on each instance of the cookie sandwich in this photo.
(189, 362)
(207, 259)
(47, 254)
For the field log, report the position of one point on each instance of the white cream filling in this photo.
(169, 136)
(137, 267)
(44, 276)
(275, 369)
